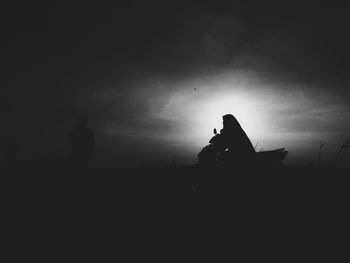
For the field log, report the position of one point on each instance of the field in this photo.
(103, 205)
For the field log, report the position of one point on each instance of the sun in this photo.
(196, 116)
(245, 109)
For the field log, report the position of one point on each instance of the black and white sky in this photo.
(155, 78)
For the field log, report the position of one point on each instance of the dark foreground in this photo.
(160, 207)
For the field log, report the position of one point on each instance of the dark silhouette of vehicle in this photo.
(82, 143)
(232, 147)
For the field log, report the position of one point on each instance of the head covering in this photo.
(228, 117)
(230, 121)
(235, 137)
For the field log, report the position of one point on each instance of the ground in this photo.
(185, 205)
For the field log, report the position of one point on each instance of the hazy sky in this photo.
(156, 78)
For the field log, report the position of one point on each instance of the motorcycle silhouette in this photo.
(216, 153)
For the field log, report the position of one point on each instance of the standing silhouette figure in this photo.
(82, 143)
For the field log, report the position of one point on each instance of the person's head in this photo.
(83, 120)
(229, 121)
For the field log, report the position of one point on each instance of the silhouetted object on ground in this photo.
(82, 143)
(232, 147)
(343, 150)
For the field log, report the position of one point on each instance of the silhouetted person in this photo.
(234, 144)
(232, 147)
(82, 143)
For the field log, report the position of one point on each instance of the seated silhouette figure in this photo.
(232, 147)
(82, 143)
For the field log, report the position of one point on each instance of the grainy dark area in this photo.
(107, 114)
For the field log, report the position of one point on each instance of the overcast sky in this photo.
(156, 78)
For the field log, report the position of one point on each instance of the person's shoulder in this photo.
(89, 131)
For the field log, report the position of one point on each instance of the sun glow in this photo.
(196, 107)
(273, 115)
(246, 110)
(200, 114)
